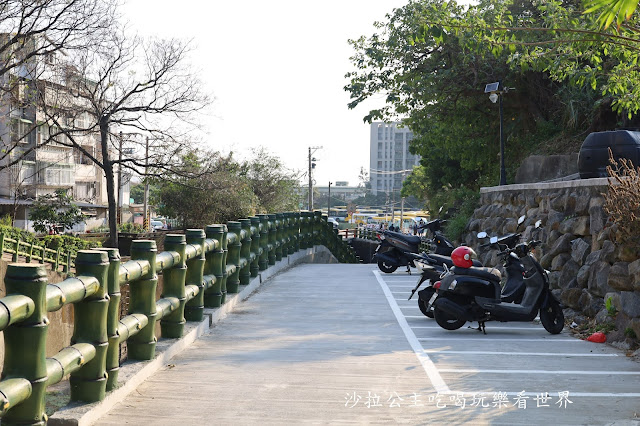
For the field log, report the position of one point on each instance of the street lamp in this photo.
(496, 91)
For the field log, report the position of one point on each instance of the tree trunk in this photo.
(108, 173)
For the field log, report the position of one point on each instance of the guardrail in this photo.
(200, 268)
(34, 252)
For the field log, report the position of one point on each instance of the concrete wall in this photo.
(587, 267)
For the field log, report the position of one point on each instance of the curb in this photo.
(133, 373)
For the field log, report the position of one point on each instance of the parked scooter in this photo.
(432, 267)
(470, 293)
(397, 249)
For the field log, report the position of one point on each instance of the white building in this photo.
(52, 166)
(390, 160)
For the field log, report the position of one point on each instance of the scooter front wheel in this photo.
(446, 320)
(552, 317)
(385, 267)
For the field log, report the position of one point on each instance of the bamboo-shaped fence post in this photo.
(291, 246)
(255, 245)
(318, 229)
(142, 300)
(233, 258)
(14, 258)
(286, 240)
(245, 251)
(263, 262)
(225, 254)
(295, 216)
(194, 308)
(278, 222)
(25, 344)
(1, 243)
(89, 383)
(30, 253)
(214, 266)
(272, 239)
(304, 230)
(113, 317)
(173, 286)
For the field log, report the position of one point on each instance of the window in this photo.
(55, 174)
(379, 145)
(22, 131)
(84, 190)
(379, 165)
(379, 132)
(80, 158)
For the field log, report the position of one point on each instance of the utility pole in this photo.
(145, 211)
(312, 166)
(329, 202)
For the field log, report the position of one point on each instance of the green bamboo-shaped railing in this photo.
(198, 268)
(37, 253)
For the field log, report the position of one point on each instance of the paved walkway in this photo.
(340, 344)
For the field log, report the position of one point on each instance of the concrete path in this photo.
(340, 344)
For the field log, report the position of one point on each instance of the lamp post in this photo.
(329, 202)
(496, 91)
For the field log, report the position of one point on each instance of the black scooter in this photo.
(432, 268)
(397, 249)
(475, 294)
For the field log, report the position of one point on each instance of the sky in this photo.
(276, 70)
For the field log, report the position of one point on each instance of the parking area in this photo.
(519, 363)
(340, 344)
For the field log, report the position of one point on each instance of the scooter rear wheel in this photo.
(552, 317)
(385, 267)
(447, 321)
(423, 305)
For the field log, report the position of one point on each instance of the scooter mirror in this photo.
(493, 240)
(482, 234)
(538, 223)
(521, 220)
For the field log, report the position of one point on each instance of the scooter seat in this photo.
(411, 239)
(491, 274)
(446, 260)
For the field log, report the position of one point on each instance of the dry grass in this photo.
(622, 200)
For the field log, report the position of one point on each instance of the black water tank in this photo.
(594, 153)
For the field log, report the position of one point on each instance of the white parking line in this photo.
(434, 373)
(436, 351)
(491, 339)
(429, 368)
(437, 327)
(574, 372)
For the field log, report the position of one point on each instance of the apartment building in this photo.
(47, 168)
(389, 159)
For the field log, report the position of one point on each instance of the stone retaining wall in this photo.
(587, 268)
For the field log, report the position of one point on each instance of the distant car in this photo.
(156, 225)
(333, 222)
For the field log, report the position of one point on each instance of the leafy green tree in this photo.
(432, 59)
(211, 190)
(55, 210)
(137, 193)
(273, 184)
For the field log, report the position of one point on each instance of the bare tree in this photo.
(121, 86)
(31, 32)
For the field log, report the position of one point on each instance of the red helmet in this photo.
(463, 257)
